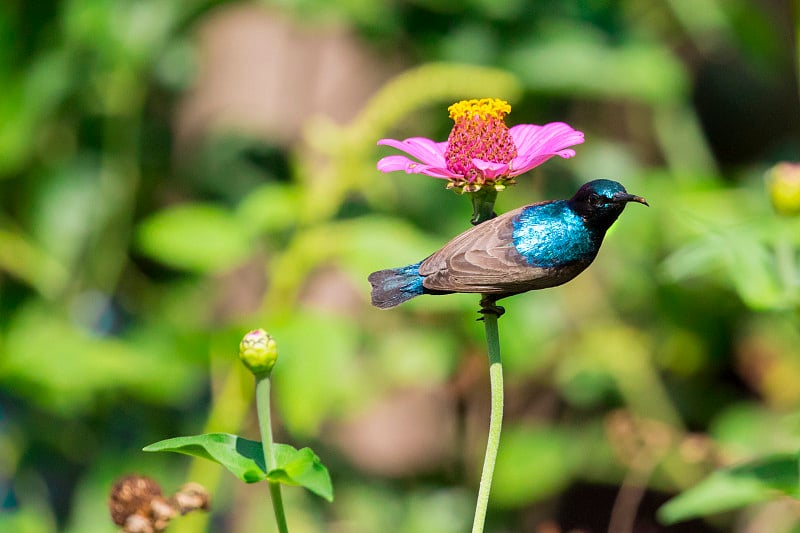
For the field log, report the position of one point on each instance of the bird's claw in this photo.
(490, 307)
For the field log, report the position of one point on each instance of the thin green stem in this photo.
(495, 420)
(265, 425)
(785, 256)
(277, 505)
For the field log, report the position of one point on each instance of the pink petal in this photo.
(520, 166)
(536, 144)
(489, 169)
(531, 139)
(392, 163)
(425, 150)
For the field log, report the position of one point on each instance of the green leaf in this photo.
(25, 260)
(244, 458)
(303, 468)
(751, 429)
(731, 488)
(271, 207)
(754, 274)
(196, 237)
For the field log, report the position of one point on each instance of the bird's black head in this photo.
(600, 202)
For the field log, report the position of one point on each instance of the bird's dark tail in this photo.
(394, 286)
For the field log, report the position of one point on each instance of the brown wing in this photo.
(482, 259)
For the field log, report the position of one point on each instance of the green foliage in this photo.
(198, 238)
(245, 459)
(735, 487)
(146, 220)
(63, 369)
(533, 464)
(25, 522)
(579, 62)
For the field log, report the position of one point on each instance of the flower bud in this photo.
(258, 351)
(783, 185)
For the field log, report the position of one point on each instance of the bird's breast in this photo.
(553, 236)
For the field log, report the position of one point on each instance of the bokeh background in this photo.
(174, 173)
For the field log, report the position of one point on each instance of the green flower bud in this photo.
(783, 184)
(258, 351)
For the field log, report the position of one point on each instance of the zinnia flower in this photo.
(481, 150)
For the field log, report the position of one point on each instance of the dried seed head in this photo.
(138, 524)
(132, 495)
(192, 496)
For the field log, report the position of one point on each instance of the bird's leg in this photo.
(489, 306)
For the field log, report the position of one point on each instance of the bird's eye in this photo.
(594, 199)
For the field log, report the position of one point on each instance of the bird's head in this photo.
(600, 202)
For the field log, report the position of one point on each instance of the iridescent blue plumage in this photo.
(533, 247)
(549, 235)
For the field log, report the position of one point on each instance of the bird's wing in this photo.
(482, 259)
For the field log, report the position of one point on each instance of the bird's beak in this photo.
(625, 198)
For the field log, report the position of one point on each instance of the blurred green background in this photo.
(174, 173)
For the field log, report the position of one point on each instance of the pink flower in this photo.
(481, 150)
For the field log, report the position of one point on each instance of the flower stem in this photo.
(483, 205)
(787, 265)
(496, 418)
(265, 425)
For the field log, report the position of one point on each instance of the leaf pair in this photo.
(244, 458)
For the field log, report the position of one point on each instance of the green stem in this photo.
(277, 505)
(265, 425)
(495, 420)
(483, 205)
(785, 258)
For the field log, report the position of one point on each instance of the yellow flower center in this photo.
(479, 132)
(483, 108)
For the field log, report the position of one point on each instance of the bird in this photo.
(536, 246)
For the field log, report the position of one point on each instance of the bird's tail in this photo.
(394, 286)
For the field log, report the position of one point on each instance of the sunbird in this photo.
(533, 247)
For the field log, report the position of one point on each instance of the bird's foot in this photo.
(490, 307)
